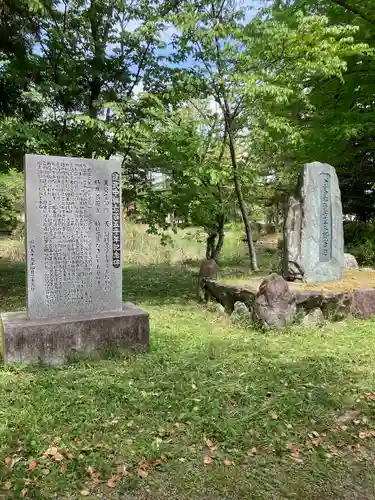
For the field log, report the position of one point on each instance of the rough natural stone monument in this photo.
(274, 305)
(74, 265)
(364, 302)
(313, 249)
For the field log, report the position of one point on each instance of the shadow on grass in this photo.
(159, 283)
(156, 284)
(12, 286)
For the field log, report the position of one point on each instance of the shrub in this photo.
(359, 240)
(11, 201)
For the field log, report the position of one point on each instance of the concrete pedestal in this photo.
(53, 341)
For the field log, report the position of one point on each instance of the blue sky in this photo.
(251, 7)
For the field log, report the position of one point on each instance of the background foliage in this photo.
(222, 102)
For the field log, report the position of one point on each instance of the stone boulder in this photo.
(309, 299)
(313, 318)
(337, 305)
(350, 261)
(228, 295)
(274, 305)
(364, 302)
(241, 312)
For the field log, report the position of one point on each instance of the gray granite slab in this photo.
(73, 236)
(313, 233)
(56, 340)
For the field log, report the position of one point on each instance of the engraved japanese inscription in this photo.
(325, 240)
(74, 236)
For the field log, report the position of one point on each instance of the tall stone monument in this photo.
(74, 265)
(313, 232)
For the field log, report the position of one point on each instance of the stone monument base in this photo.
(54, 341)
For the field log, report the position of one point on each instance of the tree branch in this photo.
(140, 67)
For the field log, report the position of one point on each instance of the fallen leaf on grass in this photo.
(275, 416)
(85, 492)
(207, 460)
(355, 446)
(122, 469)
(33, 465)
(94, 474)
(112, 481)
(23, 492)
(59, 457)
(142, 473)
(314, 442)
(252, 452)
(228, 463)
(366, 434)
(154, 463)
(293, 449)
(333, 451)
(11, 461)
(8, 485)
(347, 417)
(296, 459)
(63, 468)
(51, 452)
(145, 464)
(210, 444)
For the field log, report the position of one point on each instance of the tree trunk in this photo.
(219, 245)
(277, 218)
(226, 108)
(210, 245)
(246, 222)
(241, 202)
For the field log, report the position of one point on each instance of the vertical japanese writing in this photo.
(32, 265)
(73, 214)
(116, 218)
(64, 193)
(107, 236)
(325, 241)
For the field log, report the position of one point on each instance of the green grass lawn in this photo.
(214, 411)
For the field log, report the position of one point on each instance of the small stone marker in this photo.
(313, 232)
(74, 264)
